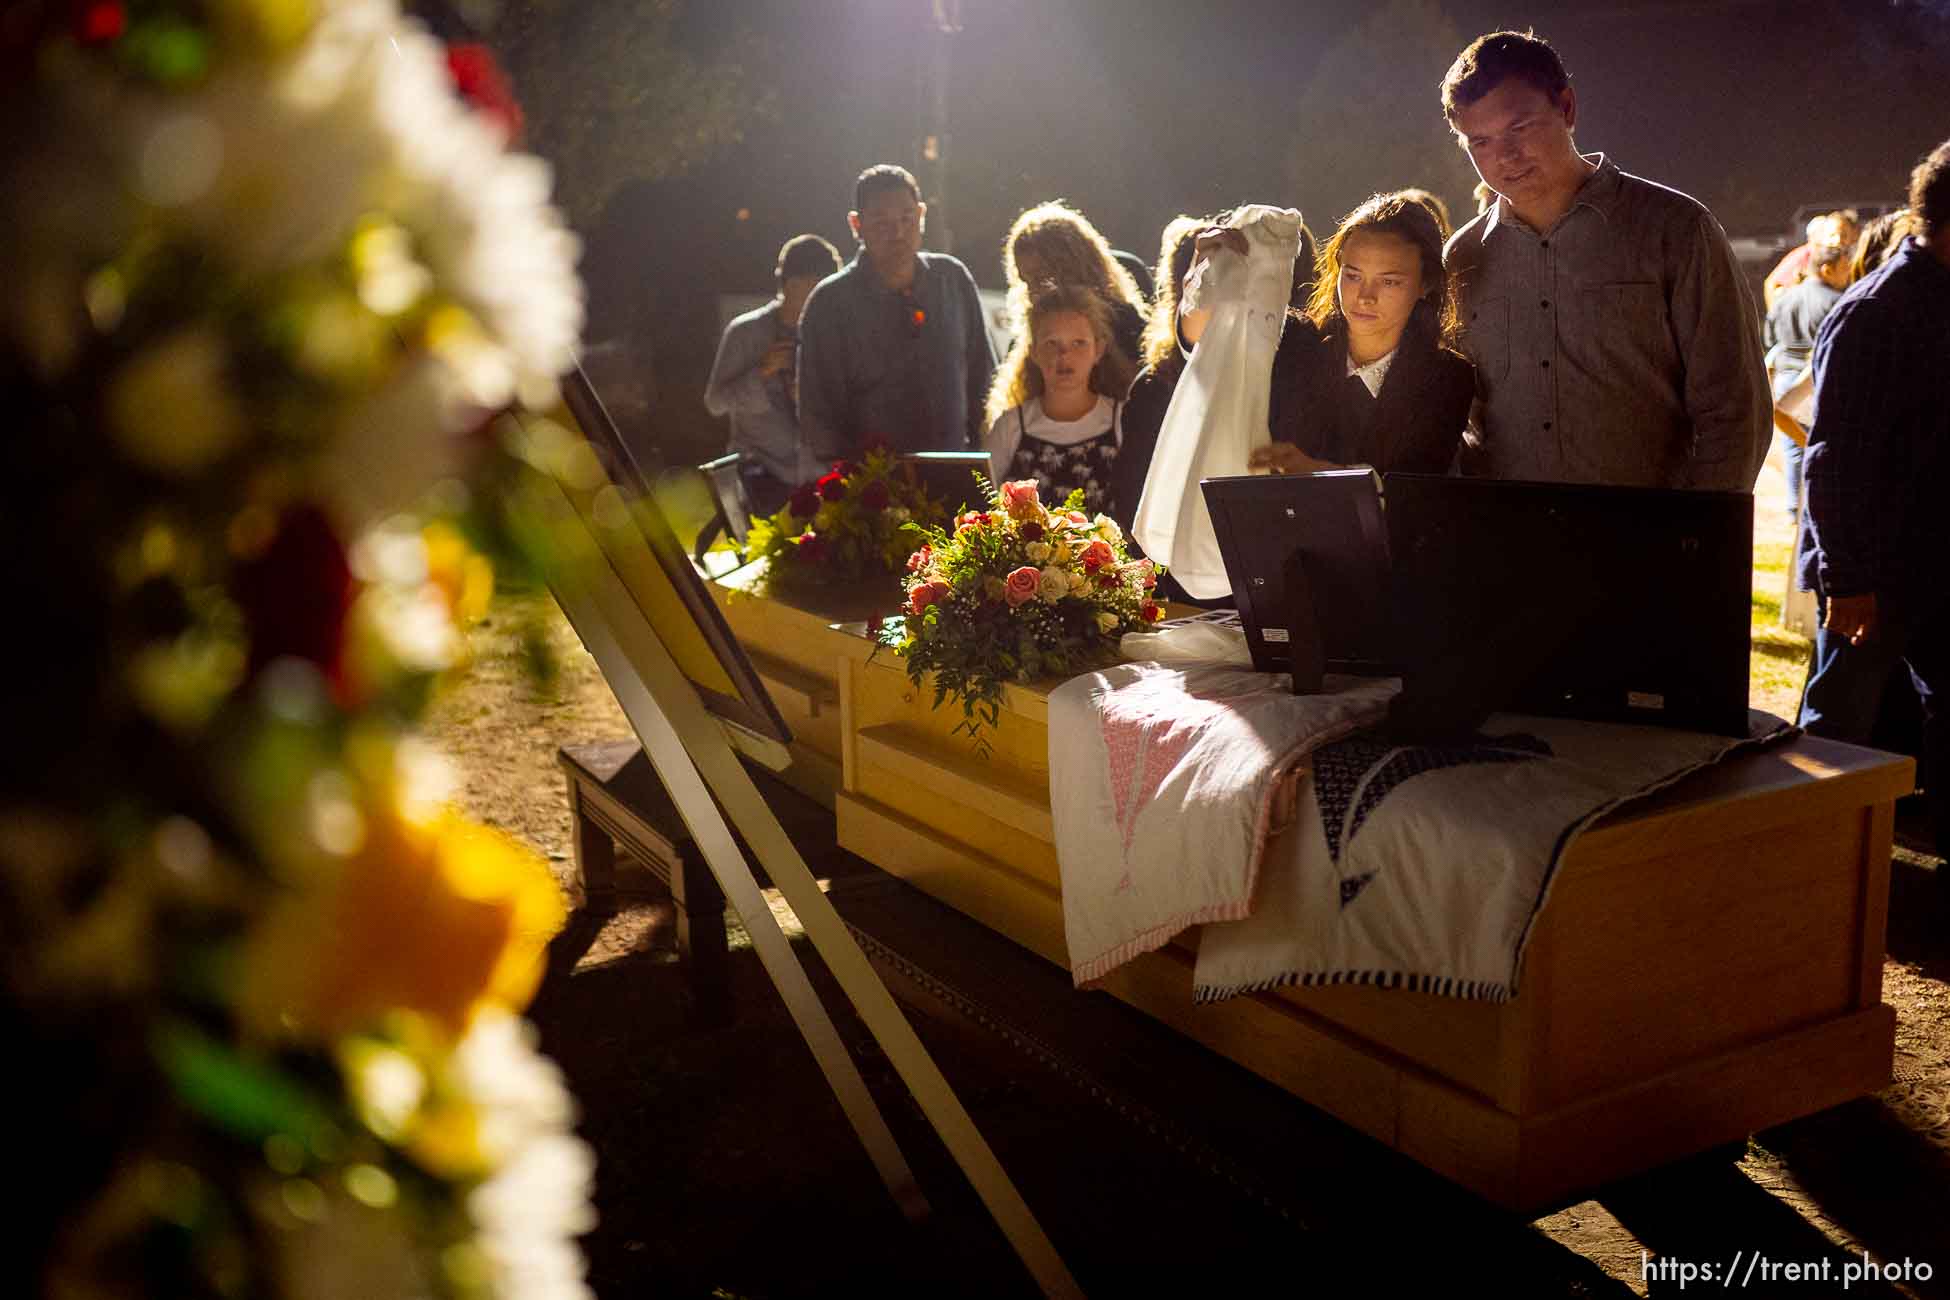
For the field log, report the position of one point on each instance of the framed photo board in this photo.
(665, 585)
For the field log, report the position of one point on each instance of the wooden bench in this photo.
(616, 800)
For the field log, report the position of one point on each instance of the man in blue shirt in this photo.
(752, 380)
(893, 349)
(1875, 542)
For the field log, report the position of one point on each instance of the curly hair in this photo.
(1075, 253)
(1405, 216)
(1017, 379)
(1929, 191)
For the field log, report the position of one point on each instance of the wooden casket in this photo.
(797, 651)
(1709, 963)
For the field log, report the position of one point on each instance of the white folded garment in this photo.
(1217, 414)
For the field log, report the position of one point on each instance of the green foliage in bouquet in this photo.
(856, 524)
(1015, 593)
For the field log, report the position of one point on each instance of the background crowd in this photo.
(1586, 326)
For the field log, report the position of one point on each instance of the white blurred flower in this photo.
(1107, 529)
(530, 1210)
(276, 162)
(428, 782)
(387, 1085)
(1037, 552)
(411, 628)
(1052, 584)
(390, 446)
(480, 214)
(395, 553)
(1106, 621)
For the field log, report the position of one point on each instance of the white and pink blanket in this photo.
(1165, 785)
(1311, 850)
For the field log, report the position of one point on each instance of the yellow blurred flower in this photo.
(462, 573)
(172, 407)
(274, 26)
(437, 917)
(390, 280)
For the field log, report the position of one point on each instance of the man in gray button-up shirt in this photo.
(1614, 337)
(894, 348)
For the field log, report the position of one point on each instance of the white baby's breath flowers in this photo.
(536, 1202)
(481, 214)
(272, 163)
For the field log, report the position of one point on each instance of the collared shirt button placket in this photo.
(1548, 281)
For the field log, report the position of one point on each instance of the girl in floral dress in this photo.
(1061, 391)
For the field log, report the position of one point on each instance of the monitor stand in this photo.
(1306, 648)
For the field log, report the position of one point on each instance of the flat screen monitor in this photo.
(1332, 524)
(1608, 603)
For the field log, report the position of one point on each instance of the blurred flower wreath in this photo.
(269, 282)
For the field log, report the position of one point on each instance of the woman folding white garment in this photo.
(1217, 415)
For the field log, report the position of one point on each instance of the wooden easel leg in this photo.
(688, 749)
(668, 754)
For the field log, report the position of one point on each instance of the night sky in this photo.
(1135, 110)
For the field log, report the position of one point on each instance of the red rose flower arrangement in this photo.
(1014, 593)
(855, 524)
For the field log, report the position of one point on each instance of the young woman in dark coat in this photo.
(1367, 375)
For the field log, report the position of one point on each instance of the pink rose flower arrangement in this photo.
(923, 594)
(1017, 592)
(1021, 585)
(1019, 501)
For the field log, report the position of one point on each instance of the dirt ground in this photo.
(1870, 1176)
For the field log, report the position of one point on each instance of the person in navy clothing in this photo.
(1875, 541)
